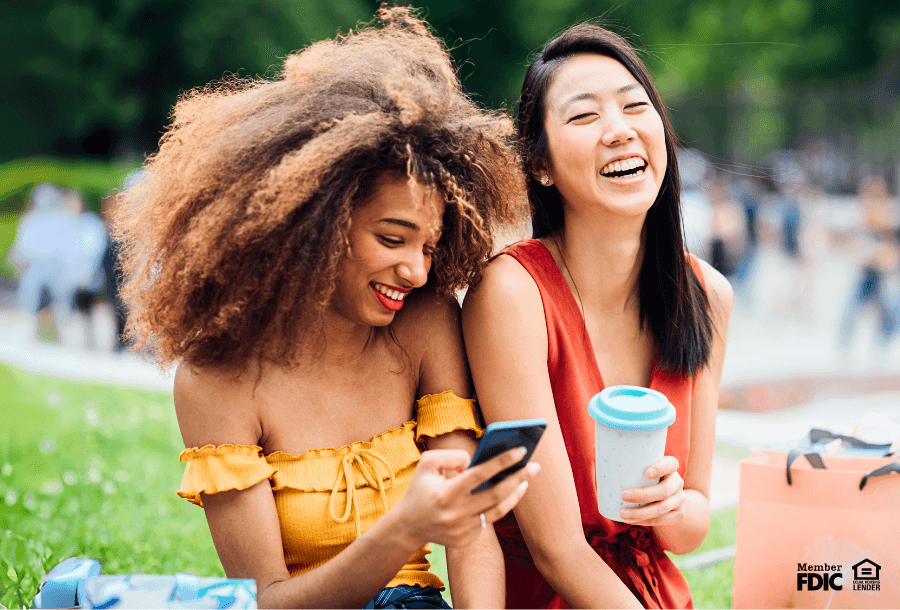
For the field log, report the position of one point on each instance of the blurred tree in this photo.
(100, 76)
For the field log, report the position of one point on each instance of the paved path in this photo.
(768, 342)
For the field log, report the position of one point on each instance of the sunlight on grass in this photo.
(91, 470)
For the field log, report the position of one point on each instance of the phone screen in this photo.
(502, 436)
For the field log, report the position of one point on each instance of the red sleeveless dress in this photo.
(631, 551)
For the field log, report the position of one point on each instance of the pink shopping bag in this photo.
(821, 541)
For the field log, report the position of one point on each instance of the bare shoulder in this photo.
(505, 283)
(215, 407)
(721, 295)
(427, 316)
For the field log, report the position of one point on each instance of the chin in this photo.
(384, 320)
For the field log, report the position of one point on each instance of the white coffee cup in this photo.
(630, 429)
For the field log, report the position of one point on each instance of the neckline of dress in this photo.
(572, 309)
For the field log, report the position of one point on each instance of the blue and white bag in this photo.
(76, 582)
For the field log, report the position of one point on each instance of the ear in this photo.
(539, 171)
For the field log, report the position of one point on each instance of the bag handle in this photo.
(892, 467)
(817, 435)
(814, 459)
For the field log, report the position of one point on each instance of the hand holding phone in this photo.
(505, 435)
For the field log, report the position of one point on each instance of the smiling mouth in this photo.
(390, 298)
(624, 168)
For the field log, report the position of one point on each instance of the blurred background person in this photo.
(879, 257)
(727, 230)
(87, 264)
(748, 193)
(815, 250)
(46, 243)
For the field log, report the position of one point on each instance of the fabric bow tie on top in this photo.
(368, 464)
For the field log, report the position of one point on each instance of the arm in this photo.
(246, 531)
(680, 518)
(476, 572)
(506, 341)
(687, 535)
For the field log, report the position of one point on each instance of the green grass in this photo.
(9, 223)
(91, 470)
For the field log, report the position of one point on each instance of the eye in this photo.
(581, 116)
(390, 241)
(636, 105)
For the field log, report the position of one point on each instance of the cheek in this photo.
(570, 148)
(657, 135)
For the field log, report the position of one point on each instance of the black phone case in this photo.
(498, 440)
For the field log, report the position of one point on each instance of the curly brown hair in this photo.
(231, 242)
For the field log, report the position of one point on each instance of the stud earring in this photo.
(545, 180)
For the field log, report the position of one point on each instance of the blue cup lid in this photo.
(628, 407)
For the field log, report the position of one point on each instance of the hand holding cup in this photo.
(663, 503)
(630, 431)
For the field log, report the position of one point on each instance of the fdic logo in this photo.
(813, 577)
(829, 577)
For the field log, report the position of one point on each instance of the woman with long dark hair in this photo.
(605, 294)
(296, 245)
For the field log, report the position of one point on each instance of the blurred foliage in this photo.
(94, 179)
(100, 76)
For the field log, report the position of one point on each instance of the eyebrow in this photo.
(401, 222)
(590, 96)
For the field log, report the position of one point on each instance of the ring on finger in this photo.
(483, 520)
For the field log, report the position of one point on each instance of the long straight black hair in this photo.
(672, 300)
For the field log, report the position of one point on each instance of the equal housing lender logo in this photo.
(831, 577)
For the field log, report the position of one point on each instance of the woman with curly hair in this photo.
(295, 245)
(605, 295)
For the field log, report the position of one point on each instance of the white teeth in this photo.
(624, 165)
(394, 295)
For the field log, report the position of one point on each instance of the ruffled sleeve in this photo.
(445, 412)
(215, 469)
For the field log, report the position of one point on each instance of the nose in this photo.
(413, 269)
(617, 129)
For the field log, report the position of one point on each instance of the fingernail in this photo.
(651, 473)
(626, 514)
(627, 496)
(519, 452)
(522, 487)
(533, 468)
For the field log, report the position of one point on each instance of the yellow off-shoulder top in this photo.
(326, 498)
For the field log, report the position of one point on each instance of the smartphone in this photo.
(502, 436)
